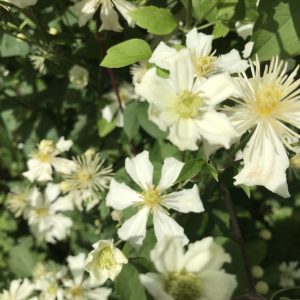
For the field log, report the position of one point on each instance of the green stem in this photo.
(188, 15)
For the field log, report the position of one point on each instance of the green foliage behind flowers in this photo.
(142, 156)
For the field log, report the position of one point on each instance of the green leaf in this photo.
(131, 124)
(190, 170)
(104, 127)
(126, 53)
(220, 30)
(213, 171)
(277, 29)
(147, 125)
(11, 46)
(128, 284)
(257, 250)
(156, 20)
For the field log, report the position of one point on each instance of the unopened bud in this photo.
(265, 234)
(257, 271)
(262, 287)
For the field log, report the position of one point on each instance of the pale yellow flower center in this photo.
(151, 197)
(267, 99)
(76, 291)
(46, 150)
(52, 288)
(204, 65)
(106, 259)
(183, 285)
(42, 211)
(188, 104)
(84, 177)
(65, 186)
(295, 161)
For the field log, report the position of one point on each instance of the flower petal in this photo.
(231, 62)
(187, 200)
(216, 128)
(121, 196)
(76, 265)
(125, 7)
(134, 229)
(162, 55)
(63, 165)
(165, 226)
(140, 169)
(170, 172)
(109, 18)
(265, 162)
(199, 43)
(38, 171)
(52, 191)
(63, 145)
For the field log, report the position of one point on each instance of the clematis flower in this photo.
(105, 261)
(191, 275)
(186, 106)
(42, 161)
(88, 178)
(79, 288)
(85, 10)
(79, 77)
(152, 199)
(267, 104)
(204, 60)
(290, 272)
(18, 290)
(21, 3)
(44, 214)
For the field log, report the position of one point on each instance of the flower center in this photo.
(76, 291)
(183, 285)
(267, 99)
(46, 150)
(151, 197)
(52, 288)
(42, 211)
(83, 177)
(106, 259)
(188, 104)
(295, 161)
(204, 65)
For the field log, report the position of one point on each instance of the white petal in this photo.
(109, 18)
(140, 169)
(265, 162)
(226, 285)
(187, 200)
(231, 62)
(121, 196)
(199, 43)
(184, 134)
(205, 255)
(63, 145)
(165, 226)
(182, 71)
(167, 255)
(156, 89)
(216, 128)
(209, 149)
(244, 30)
(216, 88)
(52, 191)
(125, 7)
(134, 229)
(98, 294)
(154, 284)
(63, 165)
(162, 55)
(38, 171)
(109, 111)
(85, 9)
(170, 172)
(76, 265)
(248, 49)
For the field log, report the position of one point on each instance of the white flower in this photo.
(44, 214)
(42, 161)
(79, 77)
(267, 104)
(21, 3)
(86, 181)
(186, 106)
(289, 273)
(137, 72)
(152, 199)
(244, 29)
(18, 290)
(38, 62)
(78, 288)
(205, 62)
(111, 111)
(195, 274)
(105, 261)
(85, 9)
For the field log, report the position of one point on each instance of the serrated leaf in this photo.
(159, 21)
(128, 284)
(131, 124)
(126, 53)
(276, 31)
(190, 169)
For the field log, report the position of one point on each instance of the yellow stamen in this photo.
(188, 104)
(204, 65)
(151, 197)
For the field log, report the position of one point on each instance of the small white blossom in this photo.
(18, 290)
(88, 178)
(152, 199)
(42, 161)
(195, 274)
(38, 62)
(21, 3)
(79, 77)
(105, 261)
(187, 106)
(267, 103)
(85, 9)
(44, 214)
(289, 273)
